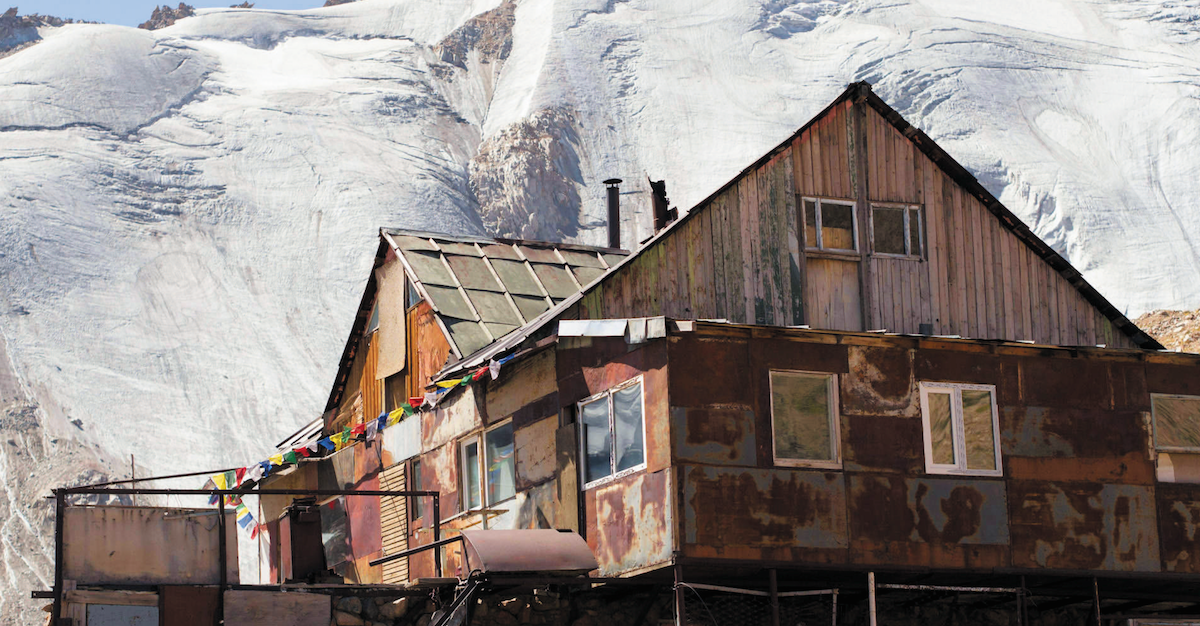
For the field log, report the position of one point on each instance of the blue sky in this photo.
(134, 12)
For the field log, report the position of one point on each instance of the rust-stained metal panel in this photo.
(882, 444)
(125, 544)
(520, 384)
(880, 382)
(189, 605)
(366, 542)
(629, 522)
(1171, 378)
(1116, 452)
(697, 362)
(744, 513)
(1178, 521)
(722, 436)
(1083, 526)
(1063, 382)
(456, 416)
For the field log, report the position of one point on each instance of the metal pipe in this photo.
(223, 559)
(237, 492)
(59, 508)
(437, 535)
(871, 598)
(1096, 600)
(411, 551)
(680, 608)
(149, 478)
(614, 212)
(773, 585)
(835, 594)
(1022, 616)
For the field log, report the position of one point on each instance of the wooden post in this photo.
(871, 598)
(834, 611)
(859, 167)
(680, 609)
(773, 585)
(222, 559)
(1096, 599)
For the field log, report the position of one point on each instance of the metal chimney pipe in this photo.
(614, 212)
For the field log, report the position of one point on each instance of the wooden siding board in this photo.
(735, 269)
(717, 231)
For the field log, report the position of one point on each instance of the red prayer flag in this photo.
(416, 401)
(479, 374)
(241, 473)
(302, 451)
(358, 429)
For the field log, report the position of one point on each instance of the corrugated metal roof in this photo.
(483, 289)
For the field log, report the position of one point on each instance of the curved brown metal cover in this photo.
(528, 551)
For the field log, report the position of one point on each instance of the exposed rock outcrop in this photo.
(165, 16)
(1175, 330)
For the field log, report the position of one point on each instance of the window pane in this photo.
(627, 421)
(977, 429)
(837, 226)
(801, 415)
(914, 232)
(417, 485)
(470, 461)
(1177, 422)
(810, 223)
(941, 432)
(597, 444)
(501, 468)
(888, 224)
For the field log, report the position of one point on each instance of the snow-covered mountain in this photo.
(187, 215)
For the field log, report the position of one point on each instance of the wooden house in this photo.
(850, 361)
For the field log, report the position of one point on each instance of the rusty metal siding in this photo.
(427, 345)
(1083, 526)
(629, 522)
(720, 436)
(778, 514)
(1178, 520)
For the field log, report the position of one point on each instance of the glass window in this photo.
(961, 429)
(1176, 422)
(472, 497)
(829, 225)
(896, 230)
(804, 418)
(418, 511)
(612, 432)
(501, 468)
(491, 476)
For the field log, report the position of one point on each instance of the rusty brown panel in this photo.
(956, 366)
(697, 362)
(363, 513)
(1128, 382)
(1171, 378)
(1131, 469)
(781, 353)
(1040, 431)
(933, 555)
(732, 512)
(629, 522)
(439, 472)
(885, 444)
(368, 460)
(927, 510)
(535, 411)
(880, 382)
(428, 348)
(1077, 526)
(588, 367)
(189, 605)
(723, 436)
(1065, 382)
(1178, 520)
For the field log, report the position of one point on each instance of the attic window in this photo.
(896, 230)
(829, 225)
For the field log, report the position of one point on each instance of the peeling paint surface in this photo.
(629, 522)
(723, 436)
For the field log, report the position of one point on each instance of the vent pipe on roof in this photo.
(614, 212)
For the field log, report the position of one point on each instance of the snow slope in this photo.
(187, 215)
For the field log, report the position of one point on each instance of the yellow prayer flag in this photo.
(276, 460)
(219, 481)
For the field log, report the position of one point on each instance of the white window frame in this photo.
(818, 245)
(835, 434)
(957, 429)
(1154, 425)
(637, 380)
(480, 438)
(908, 210)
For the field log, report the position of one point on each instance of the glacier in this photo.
(187, 215)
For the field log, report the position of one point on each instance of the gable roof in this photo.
(480, 289)
(859, 92)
